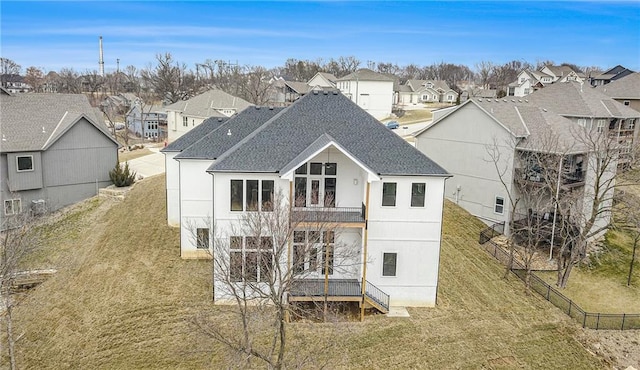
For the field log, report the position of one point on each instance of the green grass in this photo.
(123, 298)
(601, 286)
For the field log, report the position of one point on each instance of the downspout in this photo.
(213, 239)
(555, 208)
(364, 255)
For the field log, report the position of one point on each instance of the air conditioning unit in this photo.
(38, 207)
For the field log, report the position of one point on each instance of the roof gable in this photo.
(282, 139)
(33, 122)
(208, 103)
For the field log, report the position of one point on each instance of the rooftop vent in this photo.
(229, 132)
(513, 100)
(219, 119)
(335, 92)
(325, 92)
(526, 101)
(257, 107)
(315, 92)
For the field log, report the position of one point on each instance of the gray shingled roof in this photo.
(330, 77)
(420, 85)
(627, 87)
(293, 130)
(218, 141)
(366, 74)
(32, 122)
(539, 129)
(297, 86)
(579, 100)
(208, 103)
(195, 134)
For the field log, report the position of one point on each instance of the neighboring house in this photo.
(15, 83)
(529, 81)
(484, 136)
(120, 102)
(322, 81)
(316, 153)
(624, 90)
(184, 115)
(590, 108)
(152, 123)
(471, 92)
(426, 91)
(54, 152)
(562, 74)
(371, 91)
(610, 75)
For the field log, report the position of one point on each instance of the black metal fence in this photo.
(598, 321)
(491, 232)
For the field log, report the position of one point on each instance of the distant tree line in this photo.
(168, 80)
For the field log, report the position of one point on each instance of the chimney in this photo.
(101, 62)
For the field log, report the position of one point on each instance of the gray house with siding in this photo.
(54, 151)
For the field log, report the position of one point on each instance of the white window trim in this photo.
(23, 156)
(13, 206)
(495, 205)
(382, 275)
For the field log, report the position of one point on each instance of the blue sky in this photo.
(52, 35)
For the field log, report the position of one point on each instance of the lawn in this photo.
(123, 298)
(601, 286)
(415, 115)
(129, 155)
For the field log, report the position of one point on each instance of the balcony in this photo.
(569, 179)
(345, 216)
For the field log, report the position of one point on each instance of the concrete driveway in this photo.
(148, 165)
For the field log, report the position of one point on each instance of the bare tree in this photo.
(94, 84)
(484, 71)
(68, 81)
(35, 78)
(627, 212)
(19, 238)
(167, 78)
(256, 87)
(8, 69)
(258, 273)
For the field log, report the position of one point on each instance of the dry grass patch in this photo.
(415, 115)
(129, 155)
(123, 298)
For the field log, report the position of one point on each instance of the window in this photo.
(389, 261)
(203, 238)
(582, 122)
(389, 194)
(252, 195)
(236, 195)
(12, 207)
(601, 123)
(527, 91)
(330, 169)
(330, 192)
(185, 121)
(300, 186)
(499, 206)
(267, 195)
(251, 261)
(302, 170)
(24, 163)
(315, 169)
(417, 194)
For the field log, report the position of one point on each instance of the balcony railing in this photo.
(329, 214)
(571, 179)
(342, 289)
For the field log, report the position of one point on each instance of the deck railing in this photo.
(377, 295)
(338, 288)
(329, 214)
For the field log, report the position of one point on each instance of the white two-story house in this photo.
(371, 91)
(328, 159)
(184, 115)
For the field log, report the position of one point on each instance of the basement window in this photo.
(499, 205)
(203, 238)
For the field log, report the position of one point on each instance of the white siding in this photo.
(376, 97)
(173, 189)
(413, 233)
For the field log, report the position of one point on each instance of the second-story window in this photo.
(417, 194)
(24, 163)
(252, 195)
(389, 194)
(601, 124)
(236, 195)
(185, 121)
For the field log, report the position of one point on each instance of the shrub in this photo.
(122, 176)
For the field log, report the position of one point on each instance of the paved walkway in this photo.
(148, 165)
